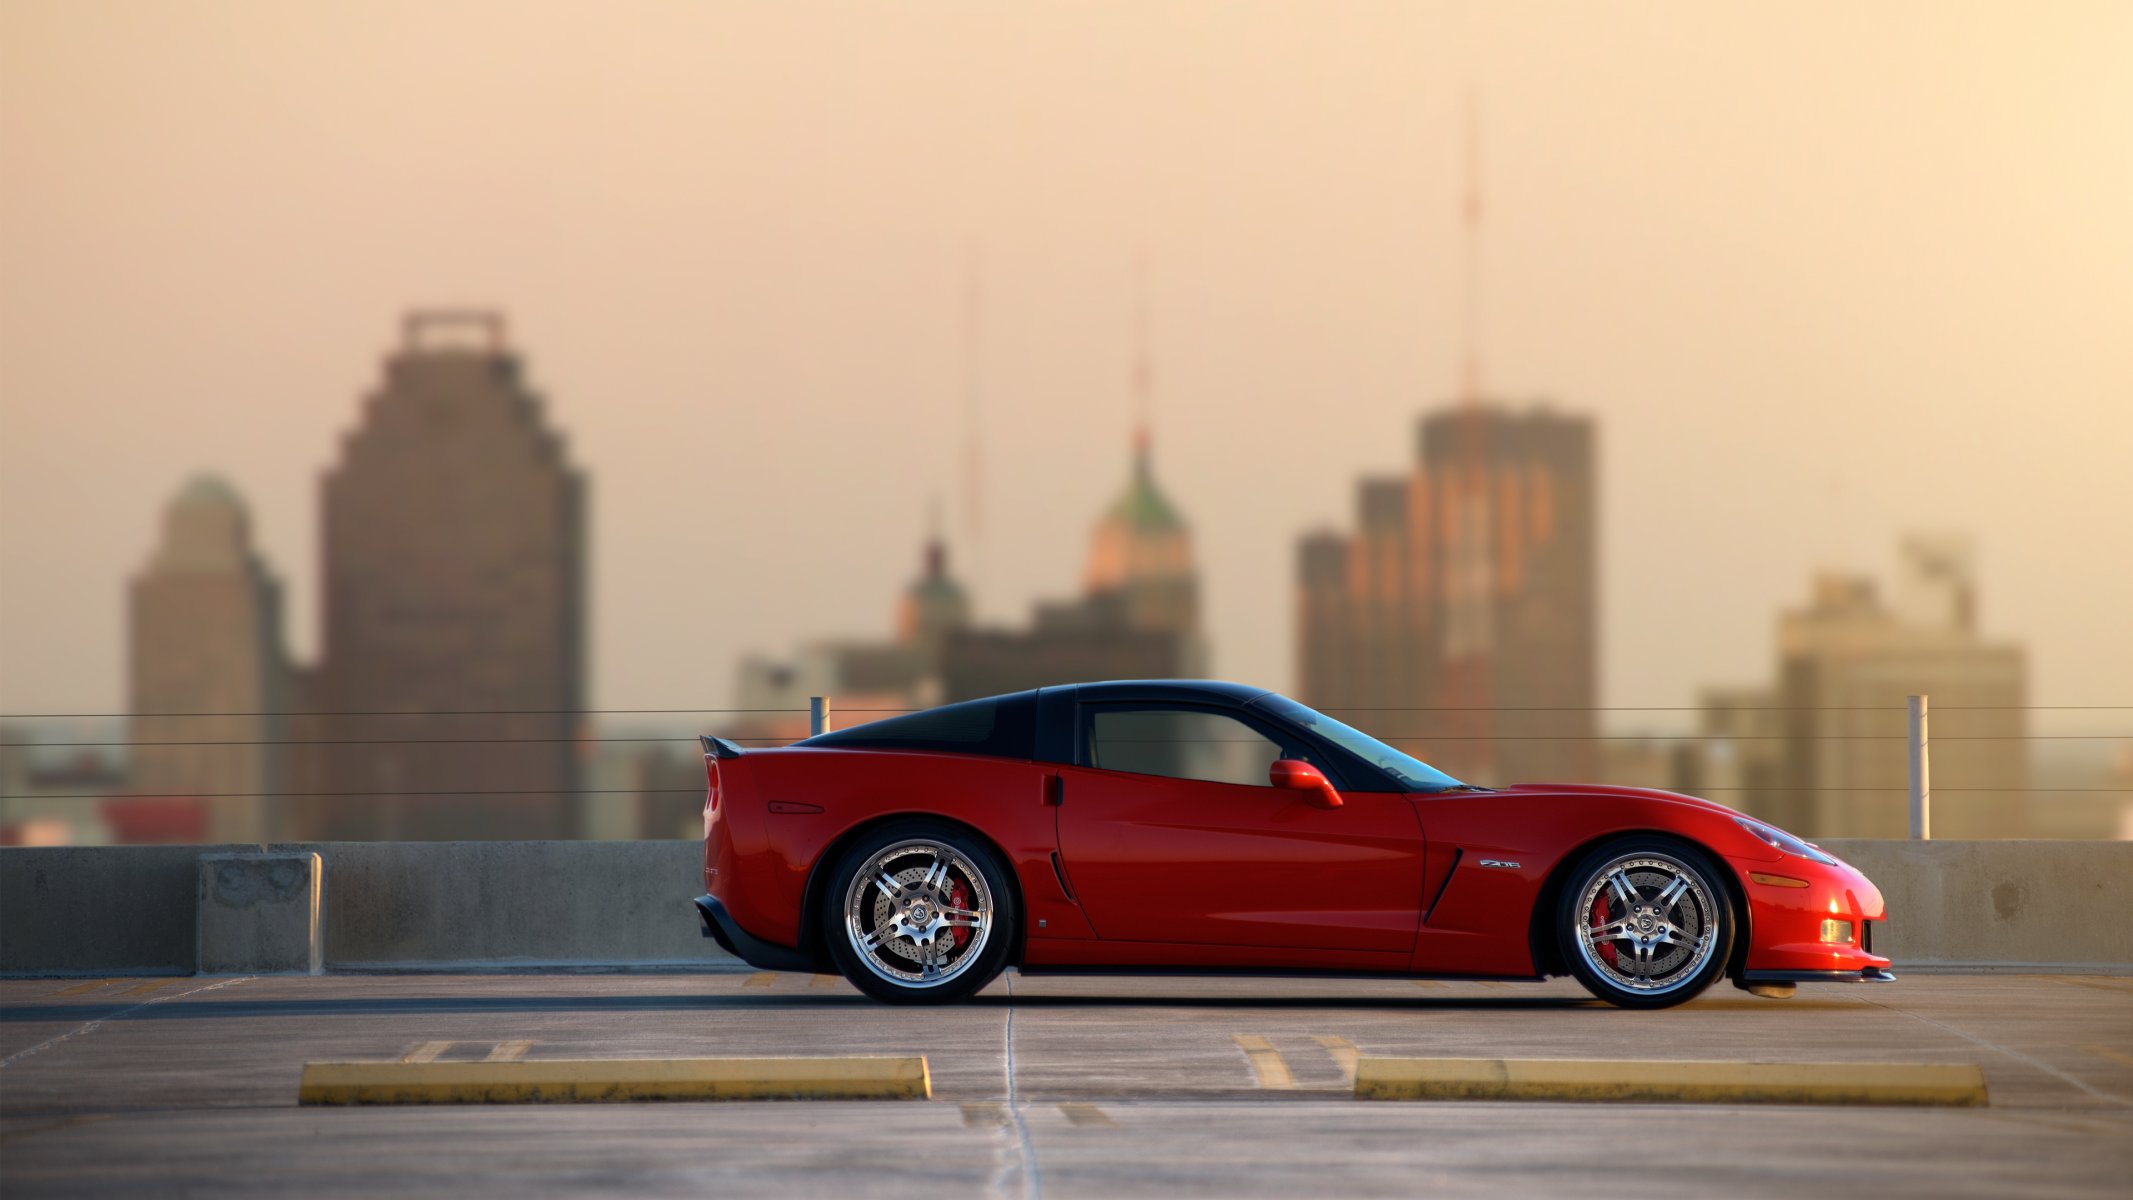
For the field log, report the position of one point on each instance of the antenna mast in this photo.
(1470, 369)
(973, 393)
(1143, 368)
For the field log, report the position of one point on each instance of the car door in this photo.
(1171, 832)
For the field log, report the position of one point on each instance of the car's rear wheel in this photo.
(919, 912)
(1645, 922)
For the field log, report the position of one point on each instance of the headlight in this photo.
(1839, 932)
(1778, 839)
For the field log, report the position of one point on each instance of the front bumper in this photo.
(720, 927)
(1788, 901)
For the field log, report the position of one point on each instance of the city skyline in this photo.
(938, 540)
(457, 588)
(1773, 404)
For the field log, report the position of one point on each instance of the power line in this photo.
(311, 795)
(1418, 737)
(609, 712)
(698, 791)
(1730, 708)
(675, 738)
(438, 712)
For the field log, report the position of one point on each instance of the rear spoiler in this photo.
(715, 747)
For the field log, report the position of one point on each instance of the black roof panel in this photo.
(1206, 691)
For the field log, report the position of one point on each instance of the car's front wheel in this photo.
(1644, 922)
(919, 912)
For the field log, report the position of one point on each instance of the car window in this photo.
(1180, 745)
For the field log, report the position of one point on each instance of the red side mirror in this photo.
(1303, 777)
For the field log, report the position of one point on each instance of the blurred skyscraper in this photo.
(1137, 618)
(902, 670)
(454, 583)
(1823, 750)
(1463, 610)
(205, 636)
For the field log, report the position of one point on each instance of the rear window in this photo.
(1000, 726)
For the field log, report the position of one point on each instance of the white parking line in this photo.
(99, 1023)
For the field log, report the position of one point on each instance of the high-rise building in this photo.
(453, 539)
(1141, 552)
(205, 637)
(900, 671)
(1823, 751)
(1138, 616)
(1461, 617)
(933, 607)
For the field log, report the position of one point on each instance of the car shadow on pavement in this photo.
(991, 999)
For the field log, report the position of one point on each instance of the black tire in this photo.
(1657, 946)
(966, 919)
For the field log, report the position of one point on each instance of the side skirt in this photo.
(1146, 972)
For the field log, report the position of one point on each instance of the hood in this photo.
(1606, 791)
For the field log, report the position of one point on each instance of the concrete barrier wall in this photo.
(2017, 905)
(446, 905)
(113, 910)
(392, 905)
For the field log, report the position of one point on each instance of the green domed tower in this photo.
(1141, 553)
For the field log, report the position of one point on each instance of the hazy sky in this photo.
(1823, 273)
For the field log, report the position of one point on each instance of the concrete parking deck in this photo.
(1048, 1086)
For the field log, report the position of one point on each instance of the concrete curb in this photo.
(1936, 1084)
(577, 1081)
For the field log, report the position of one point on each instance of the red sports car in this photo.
(1190, 826)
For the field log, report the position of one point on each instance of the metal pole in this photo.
(818, 715)
(1921, 773)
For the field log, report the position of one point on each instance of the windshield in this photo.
(1412, 773)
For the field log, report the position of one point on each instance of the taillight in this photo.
(710, 785)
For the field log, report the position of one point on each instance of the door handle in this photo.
(1054, 791)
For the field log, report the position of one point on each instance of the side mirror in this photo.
(1301, 776)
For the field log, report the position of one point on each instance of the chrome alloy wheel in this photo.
(918, 914)
(1647, 923)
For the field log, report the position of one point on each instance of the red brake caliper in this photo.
(959, 896)
(1599, 918)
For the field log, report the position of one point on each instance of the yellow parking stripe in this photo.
(825, 981)
(508, 1051)
(2106, 1052)
(152, 985)
(90, 986)
(1492, 985)
(426, 1052)
(567, 1081)
(1343, 1053)
(1268, 1067)
(1648, 1082)
(1085, 1114)
(760, 979)
(1427, 983)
